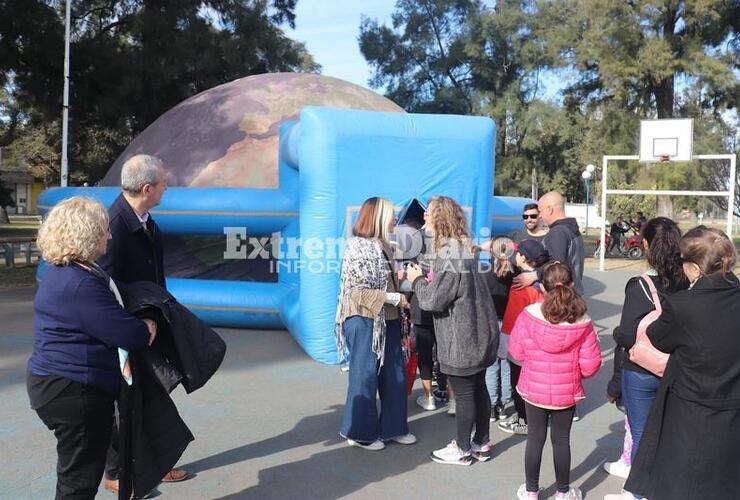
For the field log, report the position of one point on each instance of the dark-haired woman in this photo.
(557, 345)
(690, 448)
(639, 386)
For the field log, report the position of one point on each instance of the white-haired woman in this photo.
(74, 373)
(369, 330)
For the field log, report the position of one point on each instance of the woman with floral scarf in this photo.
(368, 331)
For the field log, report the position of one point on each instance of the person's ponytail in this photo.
(562, 303)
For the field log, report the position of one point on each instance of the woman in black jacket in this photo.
(639, 386)
(691, 446)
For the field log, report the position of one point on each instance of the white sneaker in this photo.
(572, 494)
(405, 439)
(618, 468)
(376, 445)
(452, 454)
(428, 403)
(452, 410)
(523, 494)
(481, 452)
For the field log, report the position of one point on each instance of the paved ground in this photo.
(266, 426)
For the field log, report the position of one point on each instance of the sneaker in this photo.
(452, 454)
(481, 452)
(405, 439)
(618, 468)
(452, 410)
(520, 428)
(572, 494)
(427, 403)
(576, 415)
(514, 426)
(376, 445)
(440, 395)
(496, 411)
(523, 494)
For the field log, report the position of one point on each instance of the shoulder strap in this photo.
(653, 291)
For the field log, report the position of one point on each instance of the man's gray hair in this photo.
(140, 170)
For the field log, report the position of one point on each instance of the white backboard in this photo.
(670, 137)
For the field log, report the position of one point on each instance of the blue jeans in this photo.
(498, 376)
(638, 394)
(361, 421)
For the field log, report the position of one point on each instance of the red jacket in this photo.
(555, 358)
(519, 298)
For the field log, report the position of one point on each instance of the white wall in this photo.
(578, 211)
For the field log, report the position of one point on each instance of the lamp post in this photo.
(65, 99)
(586, 174)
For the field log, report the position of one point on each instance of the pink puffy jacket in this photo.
(555, 358)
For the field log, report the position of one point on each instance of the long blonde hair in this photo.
(449, 221)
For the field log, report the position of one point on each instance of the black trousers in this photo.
(473, 407)
(81, 417)
(560, 424)
(425, 342)
(521, 410)
(111, 460)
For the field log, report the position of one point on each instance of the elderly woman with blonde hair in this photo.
(82, 336)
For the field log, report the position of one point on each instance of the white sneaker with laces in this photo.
(405, 439)
(523, 494)
(376, 445)
(618, 468)
(481, 452)
(428, 403)
(452, 455)
(572, 494)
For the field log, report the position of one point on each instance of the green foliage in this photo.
(131, 60)
(622, 60)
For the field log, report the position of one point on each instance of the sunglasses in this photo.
(530, 216)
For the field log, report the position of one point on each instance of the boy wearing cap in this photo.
(530, 256)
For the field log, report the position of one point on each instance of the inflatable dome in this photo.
(228, 136)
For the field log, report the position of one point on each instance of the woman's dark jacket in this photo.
(185, 351)
(691, 445)
(78, 326)
(637, 304)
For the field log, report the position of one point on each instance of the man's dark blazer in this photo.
(133, 253)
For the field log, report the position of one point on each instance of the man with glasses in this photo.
(533, 229)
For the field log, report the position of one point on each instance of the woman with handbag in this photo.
(368, 330)
(690, 446)
(639, 385)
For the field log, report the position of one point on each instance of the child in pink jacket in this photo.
(557, 345)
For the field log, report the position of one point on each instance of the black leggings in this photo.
(515, 370)
(424, 347)
(560, 423)
(473, 407)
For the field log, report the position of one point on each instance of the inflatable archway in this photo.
(330, 161)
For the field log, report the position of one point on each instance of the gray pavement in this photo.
(266, 426)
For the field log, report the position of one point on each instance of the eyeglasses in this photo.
(530, 216)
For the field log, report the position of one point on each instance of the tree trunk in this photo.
(663, 93)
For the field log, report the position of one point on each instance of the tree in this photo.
(633, 52)
(132, 60)
(421, 58)
(6, 200)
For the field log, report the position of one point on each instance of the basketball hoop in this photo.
(665, 158)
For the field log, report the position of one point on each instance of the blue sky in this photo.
(330, 31)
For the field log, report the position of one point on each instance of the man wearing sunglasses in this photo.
(533, 229)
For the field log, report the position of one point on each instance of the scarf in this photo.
(363, 266)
